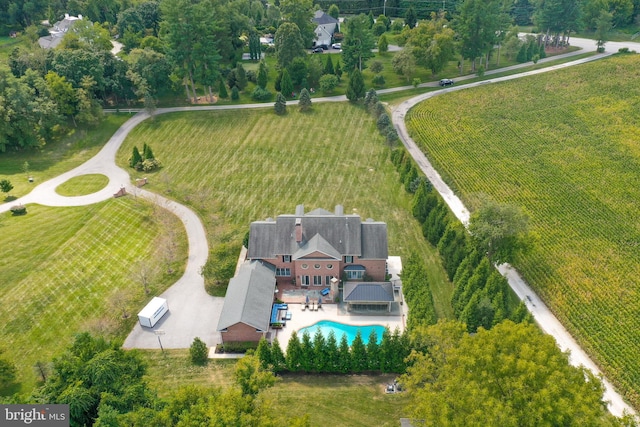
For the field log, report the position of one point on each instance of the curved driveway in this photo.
(195, 313)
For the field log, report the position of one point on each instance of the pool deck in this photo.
(301, 319)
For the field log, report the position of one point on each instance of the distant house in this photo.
(326, 25)
(58, 31)
(309, 249)
(247, 305)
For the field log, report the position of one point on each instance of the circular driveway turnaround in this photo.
(194, 313)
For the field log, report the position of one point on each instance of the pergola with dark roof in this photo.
(369, 293)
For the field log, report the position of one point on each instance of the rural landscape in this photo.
(273, 114)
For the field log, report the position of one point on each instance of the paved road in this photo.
(541, 313)
(195, 313)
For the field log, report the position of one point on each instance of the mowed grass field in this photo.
(81, 185)
(235, 167)
(566, 147)
(66, 270)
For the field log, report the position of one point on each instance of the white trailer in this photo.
(153, 312)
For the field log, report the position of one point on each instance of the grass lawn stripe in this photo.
(75, 278)
(253, 165)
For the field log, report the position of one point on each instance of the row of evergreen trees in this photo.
(327, 355)
(481, 295)
(531, 51)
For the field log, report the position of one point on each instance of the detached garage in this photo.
(368, 296)
(153, 312)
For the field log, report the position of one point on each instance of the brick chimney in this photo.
(298, 230)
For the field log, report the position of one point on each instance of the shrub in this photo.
(6, 186)
(252, 76)
(379, 28)
(378, 109)
(376, 67)
(280, 106)
(222, 91)
(416, 81)
(150, 164)
(239, 347)
(305, 100)
(383, 121)
(199, 352)
(378, 80)
(235, 93)
(396, 26)
(260, 94)
(19, 210)
(328, 83)
(392, 135)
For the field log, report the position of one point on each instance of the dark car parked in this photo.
(446, 82)
(317, 50)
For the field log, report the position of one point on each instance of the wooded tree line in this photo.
(318, 354)
(104, 386)
(498, 234)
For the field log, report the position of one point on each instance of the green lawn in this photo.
(234, 167)
(341, 400)
(82, 185)
(57, 156)
(64, 270)
(564, 146)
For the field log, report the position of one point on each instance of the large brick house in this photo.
(309, 249)
(315, 249)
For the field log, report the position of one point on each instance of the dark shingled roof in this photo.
(346, 234)
(249, 297)
(368, 292)
(322, 18)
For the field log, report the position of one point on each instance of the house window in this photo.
(354, 274)
(317, 280)
(304, 280)
(283, 272)
(316, 266)
(329, 266)
(348, 259)
(327, 280)
(286, 258)
(304, 266)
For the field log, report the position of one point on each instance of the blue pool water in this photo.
(340, 329)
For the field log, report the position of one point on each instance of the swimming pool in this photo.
(340, 329)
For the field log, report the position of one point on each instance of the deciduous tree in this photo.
(288, 44)
(512, 375)
(358, 43)
(500, 230)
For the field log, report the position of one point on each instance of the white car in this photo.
(336, 46)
